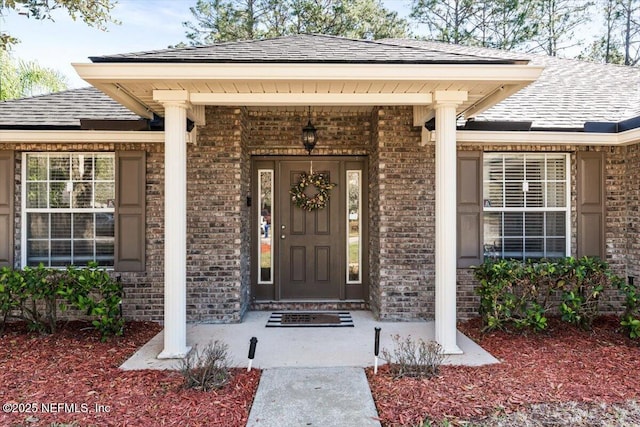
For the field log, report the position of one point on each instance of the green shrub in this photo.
(519, 294)
(12, 294)
(93, 291)
(514, 294)
(631, 316)
(35, 295)
(582, 282)
(417, 359)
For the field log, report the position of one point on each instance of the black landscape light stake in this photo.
(376, 350)
(252, 351)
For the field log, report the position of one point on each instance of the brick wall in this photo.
(216, 219)
(374, 217)
(404, 217)
(633, 211)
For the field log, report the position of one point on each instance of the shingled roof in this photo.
(567, 94)
(62, 110)
(306, 48)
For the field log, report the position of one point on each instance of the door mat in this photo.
(309, 319)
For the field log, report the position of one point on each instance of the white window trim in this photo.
(567, 209)
(24, 210)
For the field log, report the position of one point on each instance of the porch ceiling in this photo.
(292, 85)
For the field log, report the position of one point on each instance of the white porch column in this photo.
(445, 106)
(175, 223)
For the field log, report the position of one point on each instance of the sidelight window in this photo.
(354, 226)
(265, 232)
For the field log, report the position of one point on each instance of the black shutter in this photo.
(469, 217)
(130, 233)
(6, 208)
(591, 207)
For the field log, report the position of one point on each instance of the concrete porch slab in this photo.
(304, 347)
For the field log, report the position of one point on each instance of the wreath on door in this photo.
(318, 200)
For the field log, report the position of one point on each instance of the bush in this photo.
(515, 294)
(418, 359)
(582, 282)
(35, 295)
(206, 370)
(520, 294)
(631, 316)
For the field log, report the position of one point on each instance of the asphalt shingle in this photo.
(567, 94)
(62, 109)
(305, 48)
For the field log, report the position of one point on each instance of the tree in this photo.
(630, 11)
(231, 20)
(602, 50)
(450, 21)
(95, 13)
(19, 79)
(558, 20)
(504, 24)
(606, 48)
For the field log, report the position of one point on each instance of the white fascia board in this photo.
(122, 96)
(500, 94)
(535, 138)
(629, 137)
(79, 136)
(312, 99)
(114, 72)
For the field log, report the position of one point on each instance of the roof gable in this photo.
(305, 48)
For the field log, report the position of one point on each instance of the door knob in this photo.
(282, 236)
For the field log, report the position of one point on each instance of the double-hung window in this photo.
(526, 205)
(68, 204)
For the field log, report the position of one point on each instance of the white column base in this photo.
(452, 350)
(174, 354)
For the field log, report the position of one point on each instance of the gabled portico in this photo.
(444, 88)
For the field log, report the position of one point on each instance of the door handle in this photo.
(282, 236)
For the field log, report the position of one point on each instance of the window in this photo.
(354, 226)
(68, 202)
(526, 205)
(265, 212)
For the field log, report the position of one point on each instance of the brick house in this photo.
(175, 170)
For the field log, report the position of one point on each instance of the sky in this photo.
(145, 25)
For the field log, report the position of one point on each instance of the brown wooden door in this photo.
(311, 243)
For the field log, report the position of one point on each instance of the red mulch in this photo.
(562, 365)
(72, 367)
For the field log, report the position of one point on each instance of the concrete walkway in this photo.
(327, 397)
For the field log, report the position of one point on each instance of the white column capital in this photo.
(449, 97)
(171, 96)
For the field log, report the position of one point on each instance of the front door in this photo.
(309, 255)
(310, 242)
